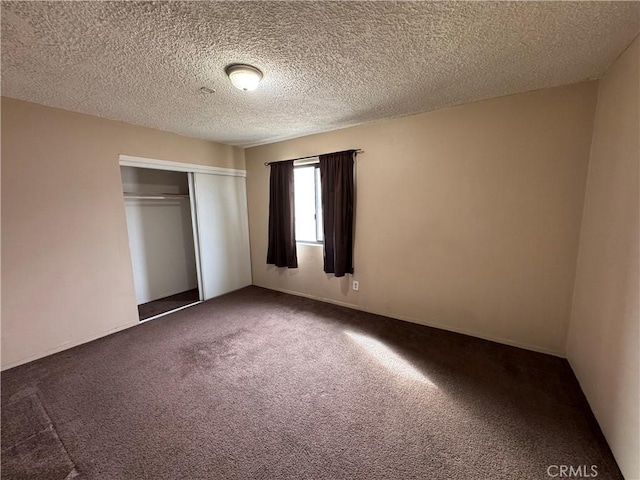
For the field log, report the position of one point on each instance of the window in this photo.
(308, 203)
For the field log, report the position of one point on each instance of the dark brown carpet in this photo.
(262, 385)
(166, 304)
(31, 448)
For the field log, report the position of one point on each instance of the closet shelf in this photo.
(155, 196)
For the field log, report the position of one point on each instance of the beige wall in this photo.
(66, 269)
(604, 338)
(467, 217)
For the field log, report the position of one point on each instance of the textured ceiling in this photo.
(326, 65)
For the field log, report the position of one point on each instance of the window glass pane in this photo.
(305, 203)
(319, 230)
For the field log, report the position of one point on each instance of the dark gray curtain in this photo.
(282, 231)
(336, 176)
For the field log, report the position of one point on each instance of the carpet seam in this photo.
(47, 429)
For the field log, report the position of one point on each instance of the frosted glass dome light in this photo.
(244, 77)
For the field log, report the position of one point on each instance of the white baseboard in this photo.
(419, 321)
(67, 346)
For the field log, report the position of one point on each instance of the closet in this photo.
(188, 233)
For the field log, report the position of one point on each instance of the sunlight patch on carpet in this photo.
(388, 358)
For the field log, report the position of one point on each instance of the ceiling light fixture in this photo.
(244, 77)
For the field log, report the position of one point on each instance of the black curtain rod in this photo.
(355, 150)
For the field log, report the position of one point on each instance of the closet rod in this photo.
(354, 150)
(159, 196)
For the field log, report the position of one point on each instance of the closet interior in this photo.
(161, 223)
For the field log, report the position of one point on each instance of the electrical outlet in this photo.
(356, 285)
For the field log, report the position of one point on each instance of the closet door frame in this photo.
(190, 169)
(142, 162)
(196, 234)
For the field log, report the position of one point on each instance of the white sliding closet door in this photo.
(223, 233)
